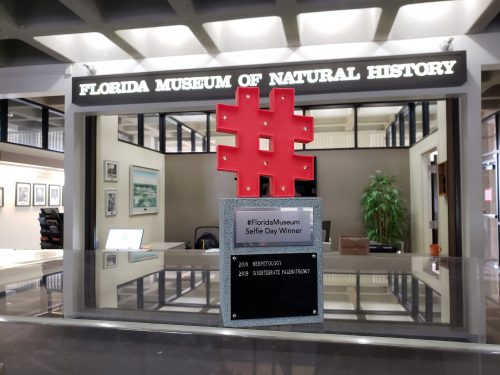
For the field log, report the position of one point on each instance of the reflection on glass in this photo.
(152, 131)
(333, 128)
(24, 123)
(187, 143)
(171, 143)
(56, 131)
(406, 118)
(373, 122)
(489, 135)
(490, 210)
(419, 124)
(193, 132)
(433, 116)
(127, 128)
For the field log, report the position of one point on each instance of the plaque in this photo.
(274, 226)
(274, 285)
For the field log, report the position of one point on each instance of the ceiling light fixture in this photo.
(338, 26)
(163, 41)
(83, 47)
(247, 33)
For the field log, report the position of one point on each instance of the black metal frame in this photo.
(4, 121)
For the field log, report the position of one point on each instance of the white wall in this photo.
(19, 227)
(109, 148)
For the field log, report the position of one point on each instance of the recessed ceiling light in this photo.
(247, 34)
(439, 18)
(338, 26)
(83, 47)
(163, 41)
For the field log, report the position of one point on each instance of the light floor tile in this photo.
(391, 318)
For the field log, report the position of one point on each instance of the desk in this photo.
(161, 246)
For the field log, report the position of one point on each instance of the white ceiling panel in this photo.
(83, 47)
(247, 33)
(163, 41)
(338, 26)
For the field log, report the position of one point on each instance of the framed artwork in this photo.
(39, 195)
(23, 194)
(110, 202)
(54, 195)
(110, 259)
(110, 170)
(1, 196)
(144, 190)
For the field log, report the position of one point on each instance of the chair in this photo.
(199, 231)
(326, 225)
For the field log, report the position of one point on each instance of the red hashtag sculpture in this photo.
(280, 126)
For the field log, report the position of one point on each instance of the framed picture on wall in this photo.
(54, 195)
(144, 190)
(110, 170)
(110, 259)
(1, 196)
(39, 195)
(23, 194)
(110, 202)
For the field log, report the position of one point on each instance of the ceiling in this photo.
(36, 32)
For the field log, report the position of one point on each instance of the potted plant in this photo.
(383, 213)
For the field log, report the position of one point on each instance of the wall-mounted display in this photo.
(144, 190)
(110, 170)
(23, 194)
(54, 195)
(1, 196)
(110, 202)
(39, 195)
(110, 259)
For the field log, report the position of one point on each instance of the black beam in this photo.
(396, 284)
(414, 298)
(428, 304)
(206, 145)
(4, 119)
(453, 176)
(193, 141)
(401, 118)
(413, 123)
(425, 119)
(356, 142)
(90, 182)
(393, 134)
(404, 289)
(140, 129)
(45, 128)
(90, 211)
(162, 133)
(179, 137)
(161, 288)
(140, 294)
(497, 132)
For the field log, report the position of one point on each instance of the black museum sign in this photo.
(312, 77)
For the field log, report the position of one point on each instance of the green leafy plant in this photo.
(383, 211)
